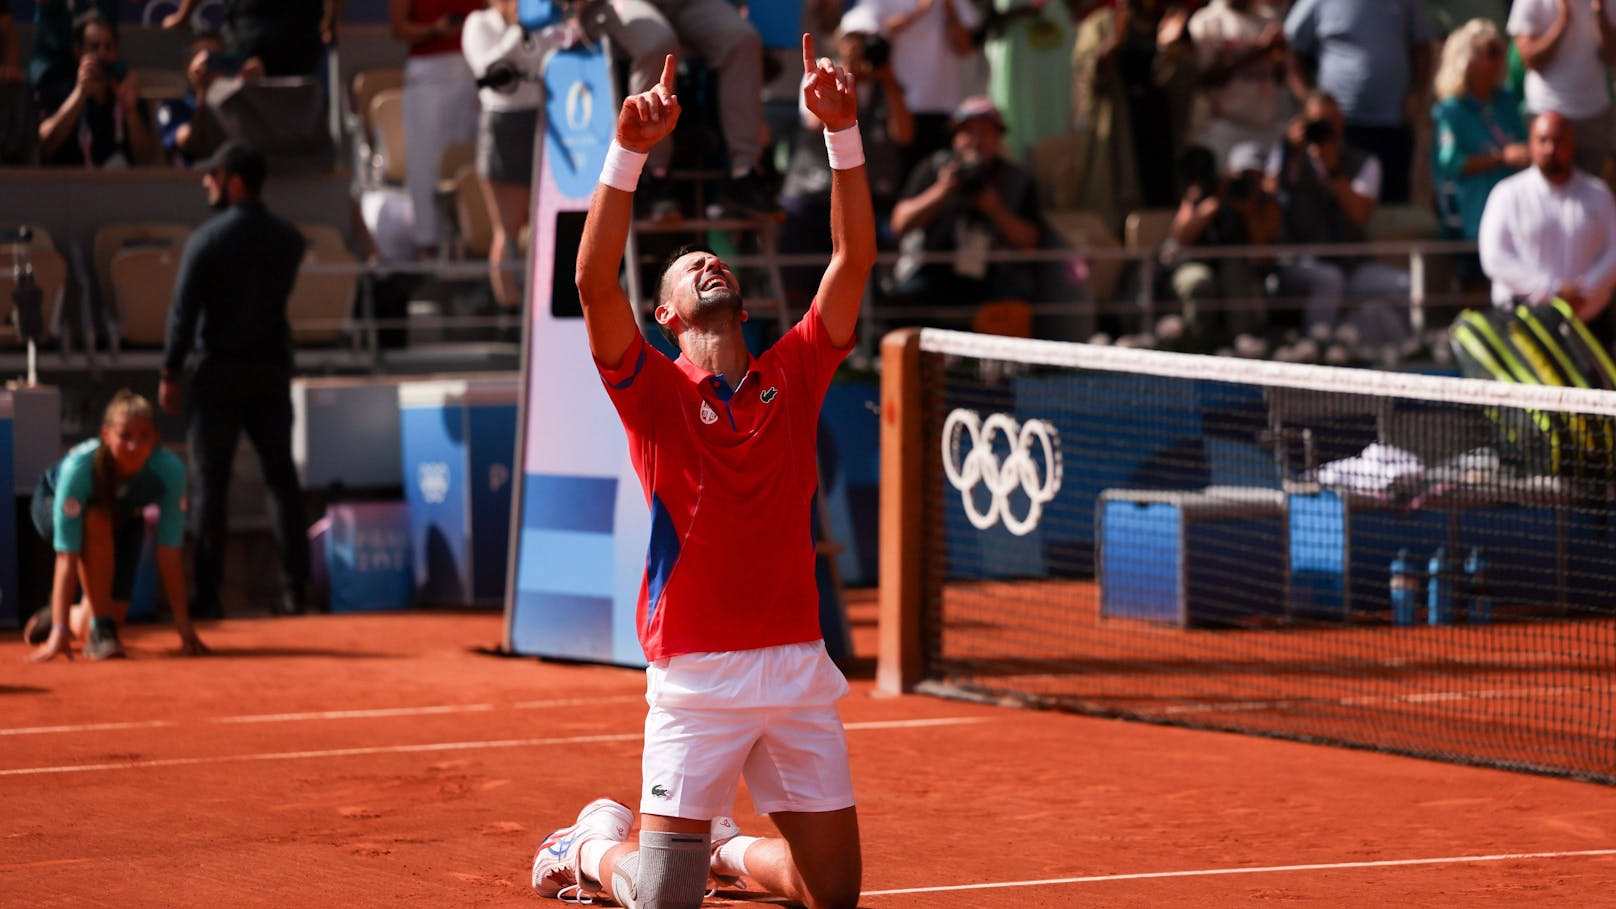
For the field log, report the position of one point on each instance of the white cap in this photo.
(860, 20)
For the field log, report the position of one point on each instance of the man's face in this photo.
(699, 286)
(977, 137)
(100, 43)
(216, 183)
(1552, 145)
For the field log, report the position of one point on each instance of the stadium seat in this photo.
(110, 239)
(161, 84)
(1057, 165)
(1009, 318)
(471, 214)
(142, 281)
(388, 158)
(1148, 228)
(323, 237)
(321, 305)
(41, 236)
(1083, 230)
(366, 86)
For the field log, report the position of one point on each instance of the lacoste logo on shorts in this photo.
(769, 393)
(708, 416)
(661, 792)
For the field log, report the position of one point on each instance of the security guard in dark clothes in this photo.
(230, 305)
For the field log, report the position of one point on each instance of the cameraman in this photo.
(968, 200)
(103, 122)
(1221, 297)
(1327, 190)
(887, 127)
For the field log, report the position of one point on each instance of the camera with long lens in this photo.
(877, 51)
(1241, 188)
(973, 173)
(1318, 132)
(502, 76)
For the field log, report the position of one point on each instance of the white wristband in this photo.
(845, 148)
(622, 168)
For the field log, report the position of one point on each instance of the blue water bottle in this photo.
(1478, 596)
(1405, 589)
(1439, 589)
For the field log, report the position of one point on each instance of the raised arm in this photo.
(644, 121)
(828, 93)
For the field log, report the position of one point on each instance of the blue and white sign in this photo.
(580, 521)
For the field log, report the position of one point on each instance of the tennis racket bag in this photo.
(1532, 440)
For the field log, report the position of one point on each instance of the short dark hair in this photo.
(83, 22)
(662, 285)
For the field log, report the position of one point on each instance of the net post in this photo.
(899, 663)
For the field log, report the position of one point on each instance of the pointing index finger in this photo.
(807, 54)
(670, 73)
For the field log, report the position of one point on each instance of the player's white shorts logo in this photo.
(433, 477)
(708, 415)
(979, 463)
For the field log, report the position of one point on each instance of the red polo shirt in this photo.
(730, 478)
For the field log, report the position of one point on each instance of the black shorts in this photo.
(128, 537)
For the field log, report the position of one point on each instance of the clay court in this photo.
(380, 760)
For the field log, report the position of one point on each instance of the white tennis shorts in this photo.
(768, 715)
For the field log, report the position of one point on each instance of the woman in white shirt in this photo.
(505, 59)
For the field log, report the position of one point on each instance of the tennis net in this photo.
(1417, 564)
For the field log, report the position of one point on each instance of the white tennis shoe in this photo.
(555, 864)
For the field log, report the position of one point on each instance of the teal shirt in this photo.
(1462, 127)
(72, 481)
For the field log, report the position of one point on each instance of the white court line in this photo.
(429, 747)
(324, 715)
(1270, 869)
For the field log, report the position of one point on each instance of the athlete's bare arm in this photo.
(609, 319)
(827, 92)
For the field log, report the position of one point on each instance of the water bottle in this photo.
(1478, 596)
(1439, 589)
(1405, 589)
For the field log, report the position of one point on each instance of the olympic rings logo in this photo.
(980, 464)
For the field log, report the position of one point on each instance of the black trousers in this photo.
(227, 399)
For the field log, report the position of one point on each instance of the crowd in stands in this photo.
(1185, 125)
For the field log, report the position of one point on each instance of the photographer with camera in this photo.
(103, 122)
(968, 200)
(1327, 189)
(885, 121)
(506, 60)
(1221, 298)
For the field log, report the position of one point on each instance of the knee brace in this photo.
(668, 872)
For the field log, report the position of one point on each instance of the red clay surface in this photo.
(237, 781)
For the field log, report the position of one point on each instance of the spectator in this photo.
(1029, 53)
(230, 306)
(969, 201)
(929, 38)
(1447, 15)
(53, 63)
(503, 56)
(883, 119)
(90, 506)
(282, 37)
(440, 101)
(186, 134)
(1550, 231)
(1133, 90)
(1479, 136)
(103, 122)
(648, 31)
(1568, 47)
(1222, 297)
(1374, 58)
(1327, 190)
(1239, 54)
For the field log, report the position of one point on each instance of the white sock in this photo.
(590, 855)
(731, 857)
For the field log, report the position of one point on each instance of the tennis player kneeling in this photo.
(724, 444)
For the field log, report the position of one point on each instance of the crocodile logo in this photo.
(769, 393)
(660, 791)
